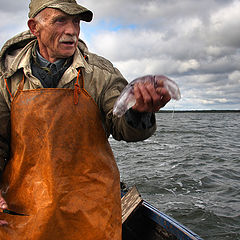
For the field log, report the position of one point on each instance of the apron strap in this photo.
(20, 87)
(21, 84)
(5, 80)
(77, 87)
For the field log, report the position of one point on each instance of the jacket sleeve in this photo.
(122, 128)
(4, 127)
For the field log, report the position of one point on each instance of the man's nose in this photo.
(71, 28)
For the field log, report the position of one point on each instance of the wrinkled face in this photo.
(57, 33)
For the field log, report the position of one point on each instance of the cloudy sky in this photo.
(196, 43)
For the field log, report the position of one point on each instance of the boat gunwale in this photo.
(168, 223)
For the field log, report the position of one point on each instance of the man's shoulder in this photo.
(18, 41)
(96, 60)
(12, 48)
(101, 62)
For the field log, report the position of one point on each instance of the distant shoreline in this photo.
(199, 111)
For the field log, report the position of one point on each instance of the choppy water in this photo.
(190, 170)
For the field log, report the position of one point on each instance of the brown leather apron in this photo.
(62, 172)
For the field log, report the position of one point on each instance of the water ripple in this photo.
(189, 169)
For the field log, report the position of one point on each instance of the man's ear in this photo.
(33, 26)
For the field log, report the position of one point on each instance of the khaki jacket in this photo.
(101, 80)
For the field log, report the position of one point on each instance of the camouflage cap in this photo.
(70, 7)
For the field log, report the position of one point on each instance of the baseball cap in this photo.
(70, 7)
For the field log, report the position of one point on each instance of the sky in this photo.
(195, 43)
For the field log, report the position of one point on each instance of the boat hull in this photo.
(143, 221)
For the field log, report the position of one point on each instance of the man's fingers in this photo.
(138, 94)
(145, 90)
(166, 97)
(143, 100)
(3, 222)
(3, 203)
(156, 98)
(149, 98)
(159, 84)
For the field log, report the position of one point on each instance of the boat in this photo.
(142, 221)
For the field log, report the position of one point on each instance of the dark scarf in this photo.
(48, 73)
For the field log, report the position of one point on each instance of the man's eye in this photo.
(60, 20)
(76, 20)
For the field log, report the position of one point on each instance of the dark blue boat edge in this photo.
(168, 223)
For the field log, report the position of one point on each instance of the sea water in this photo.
(190, 170)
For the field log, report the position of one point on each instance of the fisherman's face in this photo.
(57, 34)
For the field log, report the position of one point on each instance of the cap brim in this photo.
(74, 9)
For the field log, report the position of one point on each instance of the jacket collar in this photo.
(20, 58)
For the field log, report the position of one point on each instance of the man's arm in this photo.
(137, 124)
(4, 128)
(4, 140)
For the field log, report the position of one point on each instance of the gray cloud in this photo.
(194, 42)
(13, 18)
(12, 6)
(146, 12)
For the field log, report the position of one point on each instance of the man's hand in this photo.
(3, 205)
(149, 98)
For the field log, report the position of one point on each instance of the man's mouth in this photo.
(68, 41)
